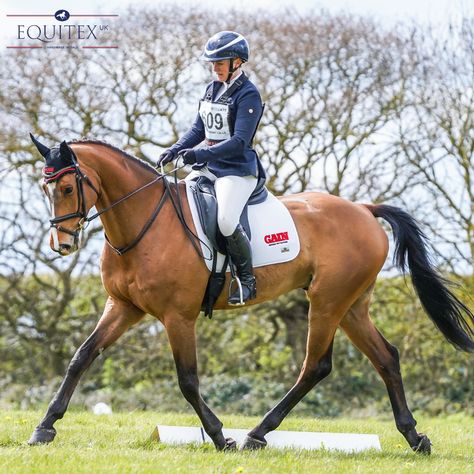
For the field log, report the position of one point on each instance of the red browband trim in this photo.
(48, 177)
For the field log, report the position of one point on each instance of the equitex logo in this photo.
(62, 15)
(62, 29)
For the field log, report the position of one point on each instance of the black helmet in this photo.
(226, 45)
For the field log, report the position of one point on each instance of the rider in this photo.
(227, 120)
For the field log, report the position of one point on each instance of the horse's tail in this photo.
(452, 317)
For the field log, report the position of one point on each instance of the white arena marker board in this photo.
(348, 442)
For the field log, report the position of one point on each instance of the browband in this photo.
(49, 175)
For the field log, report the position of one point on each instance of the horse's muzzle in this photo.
(65, 249)
(63, 244)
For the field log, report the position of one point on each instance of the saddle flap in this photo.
(206, 204)
(274, 235)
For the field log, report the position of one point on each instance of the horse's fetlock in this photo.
(406, 425)
(271, 422)
(56, 410)
(213, 431)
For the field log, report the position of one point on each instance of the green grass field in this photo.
(120, 443)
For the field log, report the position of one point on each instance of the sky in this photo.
(438, 12)
(388, 10)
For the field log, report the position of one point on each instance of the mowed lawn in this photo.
(120, 443)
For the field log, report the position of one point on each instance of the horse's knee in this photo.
(189, 386)
(323, 368)
(317, 373)
(82, 358)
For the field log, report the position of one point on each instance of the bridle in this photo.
(81, 207)
(81, 211)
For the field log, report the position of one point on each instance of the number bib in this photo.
(214, 117)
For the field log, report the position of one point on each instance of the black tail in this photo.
(452, 317)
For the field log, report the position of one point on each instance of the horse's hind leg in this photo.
(317, 365)
(116, 319)
(384, 357)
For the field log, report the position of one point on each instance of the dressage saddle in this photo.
(206, 204)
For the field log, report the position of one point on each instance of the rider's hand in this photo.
(188, 156)
(166, 157)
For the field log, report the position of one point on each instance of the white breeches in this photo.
(232, 193)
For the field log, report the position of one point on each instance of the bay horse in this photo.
(150, 265)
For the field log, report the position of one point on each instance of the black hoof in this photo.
(253, 444)
(230, 445)
(42, 436)
(423, 446)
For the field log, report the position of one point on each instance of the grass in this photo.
(120, 443)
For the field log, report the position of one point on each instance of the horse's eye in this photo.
(68, 190)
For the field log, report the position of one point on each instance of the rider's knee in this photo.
(226, 225)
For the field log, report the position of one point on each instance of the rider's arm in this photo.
(248, 112)
(192, 137)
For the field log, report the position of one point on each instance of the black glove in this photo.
(188, 156)
(167, 157)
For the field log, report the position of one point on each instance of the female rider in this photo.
(228, 117)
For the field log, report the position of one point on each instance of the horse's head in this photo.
(70, 200)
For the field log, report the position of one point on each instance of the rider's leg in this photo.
(232, 194)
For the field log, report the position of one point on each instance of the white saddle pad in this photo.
(274, 236)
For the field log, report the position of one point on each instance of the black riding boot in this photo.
(238, 246)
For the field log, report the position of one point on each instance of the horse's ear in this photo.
(43, 149)
(64, 149)
(65, 152)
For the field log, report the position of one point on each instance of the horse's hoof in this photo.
(252, 444)
(42, 436)
(423, 446)
(230, 445)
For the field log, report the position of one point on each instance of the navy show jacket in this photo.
(234, 156)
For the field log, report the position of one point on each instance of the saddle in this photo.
(206, 203)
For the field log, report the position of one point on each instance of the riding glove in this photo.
(167, 157)
(188, 156)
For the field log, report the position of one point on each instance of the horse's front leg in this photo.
(115, 320)
(182, 337)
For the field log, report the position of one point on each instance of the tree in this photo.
(438, 140)
(352, 108)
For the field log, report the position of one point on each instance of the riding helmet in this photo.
(226, 45)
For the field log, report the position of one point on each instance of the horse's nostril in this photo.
(65, 247)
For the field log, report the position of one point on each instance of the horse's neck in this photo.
(120, 176)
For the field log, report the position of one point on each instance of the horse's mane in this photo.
(94, 141)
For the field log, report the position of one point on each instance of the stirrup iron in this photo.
(236, 279)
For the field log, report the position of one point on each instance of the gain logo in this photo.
(273, 239)
(62, 15)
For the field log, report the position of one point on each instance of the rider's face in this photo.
(221, 68)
